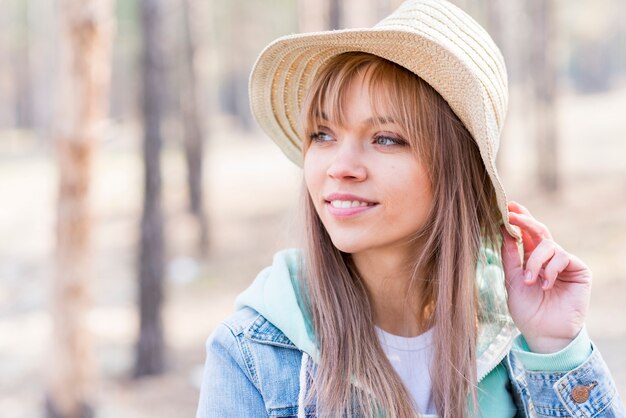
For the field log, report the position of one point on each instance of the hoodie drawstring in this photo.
(303, 382)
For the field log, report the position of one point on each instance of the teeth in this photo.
(347, 203)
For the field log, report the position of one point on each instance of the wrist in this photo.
(547, 345)
(568, 358)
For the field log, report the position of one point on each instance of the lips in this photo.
(347, 205)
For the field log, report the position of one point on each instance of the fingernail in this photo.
(528, 275)
(545, 284)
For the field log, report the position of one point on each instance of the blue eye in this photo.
(321, 137)
(388, 140)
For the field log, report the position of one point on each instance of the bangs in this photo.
(394, 92)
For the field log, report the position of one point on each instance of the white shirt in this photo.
(411, 358)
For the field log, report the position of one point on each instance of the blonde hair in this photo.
(464, 210)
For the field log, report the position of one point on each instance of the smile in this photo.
(349, 203)
(344, 206)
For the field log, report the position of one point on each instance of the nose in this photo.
(348, 163)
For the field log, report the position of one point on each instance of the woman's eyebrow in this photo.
(381, 120)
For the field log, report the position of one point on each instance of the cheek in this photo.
(307, 172)
(311, 181)
(312, 177)
(416, 193)
(423, 197)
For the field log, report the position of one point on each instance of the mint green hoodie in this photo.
(274, 294)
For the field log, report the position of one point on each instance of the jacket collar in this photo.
(495, 349)
(274, 295)
(263, 331)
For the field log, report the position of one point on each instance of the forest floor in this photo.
(252, 194)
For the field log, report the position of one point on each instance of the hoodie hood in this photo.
(275, 295)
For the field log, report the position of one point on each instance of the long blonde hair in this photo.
(464, 210)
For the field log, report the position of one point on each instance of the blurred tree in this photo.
(125, 78)
(544, 78)
(495, 10)
(22, 80)
(192, 126)
(383, 8)
(85, 51)
(243, 28)
(590, 65)
(150, 346)
(591, 35)
(619, 38)
(41, 23)
(7, 86)
(243, 19)
(496, 13)
(335, 14)
(15, 87)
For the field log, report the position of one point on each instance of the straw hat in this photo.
(432, 38)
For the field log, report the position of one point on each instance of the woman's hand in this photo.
(548, 295)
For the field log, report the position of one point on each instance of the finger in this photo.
(512, 263)
(540, 255)
(576, 265)
(510, 253)
(529, 240)
(518, 207)
(536, 230)
(555, 266)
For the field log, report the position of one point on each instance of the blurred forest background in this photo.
(139, 197)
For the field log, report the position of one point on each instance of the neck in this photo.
(386, 275)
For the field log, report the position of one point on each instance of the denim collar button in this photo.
(580, 394)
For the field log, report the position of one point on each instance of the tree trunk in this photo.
(494, 21)
(383, 8)
(335, 14)
(150, 346)
(41, 23)
(23, 83)
(193, 129)
(543, 67)
(7, 78)
(85, 56)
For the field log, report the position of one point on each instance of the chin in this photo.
(348, 245)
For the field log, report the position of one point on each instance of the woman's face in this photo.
(368, 187)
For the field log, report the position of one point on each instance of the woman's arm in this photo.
(548, 290)
(554, 368)
(574, 381)
(227, 387)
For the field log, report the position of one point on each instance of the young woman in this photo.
(417, 274)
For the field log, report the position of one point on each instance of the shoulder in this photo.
(237, 322)
(247, 324)
(246, 336)
(263, 355)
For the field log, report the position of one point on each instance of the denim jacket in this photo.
(261, 360)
